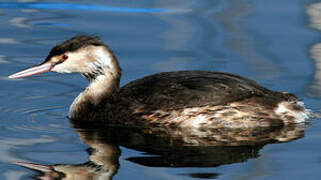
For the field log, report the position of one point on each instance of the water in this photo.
(273, 42)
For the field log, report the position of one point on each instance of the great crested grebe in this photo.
(176, 99)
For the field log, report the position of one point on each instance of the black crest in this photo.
(73, 44)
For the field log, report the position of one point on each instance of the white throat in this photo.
(103, 73)
(100, 88)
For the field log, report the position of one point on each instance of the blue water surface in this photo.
(273, 42)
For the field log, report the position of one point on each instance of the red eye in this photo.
(64, 57)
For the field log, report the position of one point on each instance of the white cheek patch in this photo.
(60, 68)
(67, 67)
(75, 63)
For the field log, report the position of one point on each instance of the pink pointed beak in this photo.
(37, 167)
(45, 67)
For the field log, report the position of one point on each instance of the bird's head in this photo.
(81, 54)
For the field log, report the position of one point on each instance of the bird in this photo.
(179, 99)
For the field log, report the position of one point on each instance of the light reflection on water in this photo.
(81, 7)
(268, 41)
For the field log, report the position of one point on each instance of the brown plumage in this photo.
(177, 99)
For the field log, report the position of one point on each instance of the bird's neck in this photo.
(99, 89)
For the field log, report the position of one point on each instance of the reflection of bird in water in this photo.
(198, 99)
(103, 164)
(162, 149)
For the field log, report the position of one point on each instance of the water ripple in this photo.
(8, 144)
(82, 7)
(42, 109)
(48, 128)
